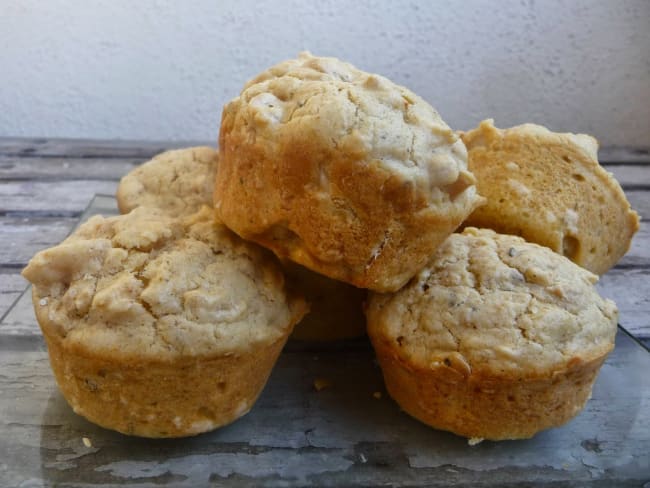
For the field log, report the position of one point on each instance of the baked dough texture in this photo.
(495, 338)
(335, 307)
(341, 171)
(161, 327)
(178, 181)
(550, 189)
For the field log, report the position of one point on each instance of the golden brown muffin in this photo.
(549, 189)
(178, 182)
(161, 327)
(335, 308)
(342, 171)
(495, 338)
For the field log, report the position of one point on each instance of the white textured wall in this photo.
(162, 69)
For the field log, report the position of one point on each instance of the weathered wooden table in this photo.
(341, 436)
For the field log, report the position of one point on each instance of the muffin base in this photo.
(149, 398)
(479, 407)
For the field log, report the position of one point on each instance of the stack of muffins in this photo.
(330, 182)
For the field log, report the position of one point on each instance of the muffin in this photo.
(335, 308)
(495, 338)
(341, 171)
(178, 182)
(549, 189)
(161, 327)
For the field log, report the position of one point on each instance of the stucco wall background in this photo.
(163, 69)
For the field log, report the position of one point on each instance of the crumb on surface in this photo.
(86, 442)
(321, 384)
(377, 395)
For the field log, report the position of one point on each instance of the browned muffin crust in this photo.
(550, 189)
(341, 171)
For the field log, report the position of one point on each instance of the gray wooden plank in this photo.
(12, 284)
(630, 289)
(295, 436)
(623, 155)
(57, 168)
(639, 252)
(631, 176)
(51, 198)
(640, 201)
(88, 148)
(25, 236)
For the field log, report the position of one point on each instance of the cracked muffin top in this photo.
(341, 171)
(496, 305)
(549, 188)
(179, 182)
(147, 285)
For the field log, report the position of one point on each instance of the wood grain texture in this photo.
(12, 284)
(630, 176)
(65, 169)
(630, 289)
(86, 148)
(640, 201)
(624, 155)
(60, 198)
(25, 236)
